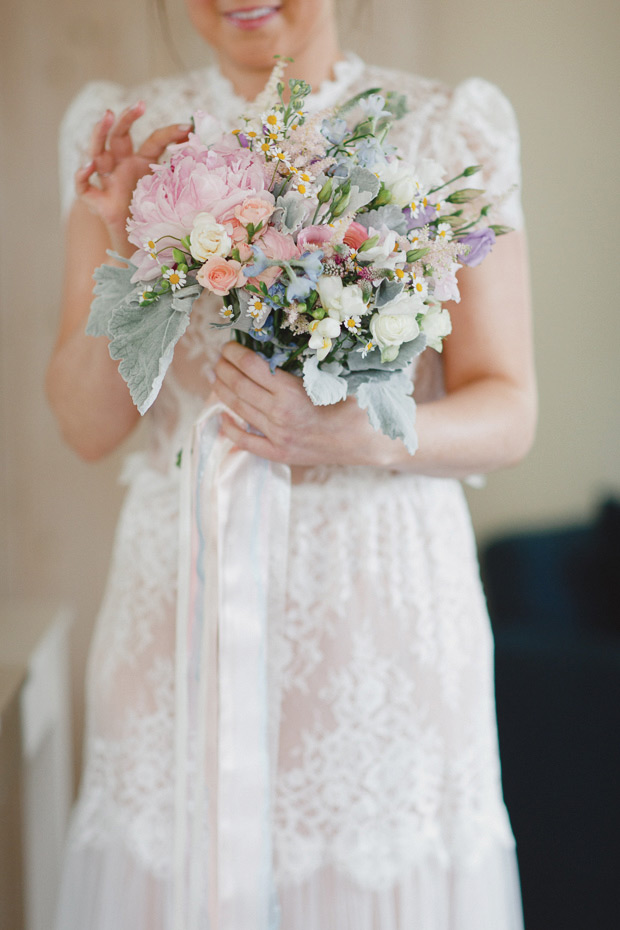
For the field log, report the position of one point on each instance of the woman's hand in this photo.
(119, 168)
(293, 429)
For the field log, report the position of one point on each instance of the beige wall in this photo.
(556, 61)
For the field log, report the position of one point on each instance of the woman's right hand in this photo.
(119, 168)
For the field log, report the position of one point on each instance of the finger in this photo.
(100, 133)
(243, 386)
(251, 364)
(82, 178)
(259, 445)
(119, 138)
(154, 147)
(256, 418)
(104, 164)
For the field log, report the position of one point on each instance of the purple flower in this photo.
(424, 216)
(480, 243)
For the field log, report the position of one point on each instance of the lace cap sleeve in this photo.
(481, 128)
(75, 132)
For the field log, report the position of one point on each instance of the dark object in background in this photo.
(554, 601)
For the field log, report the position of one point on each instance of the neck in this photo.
(313, 64)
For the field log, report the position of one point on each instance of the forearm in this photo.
(89, 398)
(483, 426)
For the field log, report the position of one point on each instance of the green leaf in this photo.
(391, 409)
(144, 340)
(353, 101)
(113, 287)
(322, 387)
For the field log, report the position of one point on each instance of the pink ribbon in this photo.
(234, 514)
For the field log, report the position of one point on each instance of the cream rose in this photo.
(255, 210)
(220, 276)
(390, 330)
(208, 237)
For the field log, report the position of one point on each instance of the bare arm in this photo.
(486, 420)
(86, 392)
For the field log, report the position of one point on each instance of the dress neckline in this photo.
(226, 102)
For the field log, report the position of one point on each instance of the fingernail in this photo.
(185, 127)
(139, 103)
(210, 375)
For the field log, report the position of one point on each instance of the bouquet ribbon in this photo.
(232, 570)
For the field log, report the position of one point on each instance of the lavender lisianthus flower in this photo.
(480, 243)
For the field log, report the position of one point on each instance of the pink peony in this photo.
(166, 202)
(314, 235)
(255, 210)
(355, 235)
(220, 275)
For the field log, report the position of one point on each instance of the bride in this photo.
(387, 804)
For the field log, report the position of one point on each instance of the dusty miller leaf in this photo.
(390, 407)
(322, 387)
(389, 215)
(406, 354)
(113, 287)
(144, 339)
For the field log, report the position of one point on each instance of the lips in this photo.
(253, 17)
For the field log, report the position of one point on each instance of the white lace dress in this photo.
(389, 812)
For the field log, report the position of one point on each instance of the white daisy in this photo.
(176, 278)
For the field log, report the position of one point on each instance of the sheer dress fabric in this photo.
(388, 803)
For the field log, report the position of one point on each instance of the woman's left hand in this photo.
(293, 429)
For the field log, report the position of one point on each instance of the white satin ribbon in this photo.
(234, 511)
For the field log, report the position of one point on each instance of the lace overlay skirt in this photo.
(388, 806)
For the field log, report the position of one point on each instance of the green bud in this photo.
(485, 210)
(465, 195)
(182, 267)
(384, 196)
(185, 241)
(501, 230)
(473, 169)
(369, 243)
(341, 205)
(178, 255)
(326, 191)
(414, 255)
(319, 313)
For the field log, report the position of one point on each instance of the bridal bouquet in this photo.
(331, 255)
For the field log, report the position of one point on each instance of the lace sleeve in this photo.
(75, 131)
(481, 128)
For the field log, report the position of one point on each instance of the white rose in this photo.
(435, 325)
(390, 330)
(208, 237)
(340, 301)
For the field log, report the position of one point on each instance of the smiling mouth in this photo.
(252, 17)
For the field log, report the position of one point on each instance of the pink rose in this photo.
(355, 235)
(255, 210)
(245, 251)
(219, 275)
(276, 245)
(314, 235)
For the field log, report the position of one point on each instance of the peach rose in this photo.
(255, 210)
(276, 245)
(219, 275)
(355, 235)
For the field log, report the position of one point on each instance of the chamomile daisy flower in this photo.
(444, 232)
(175, 277)
(150, 247)
(273, 121)
(366, 348)
(145, 296)
(353, 324)
(401, 275)
(227, 313)
(420, 286)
